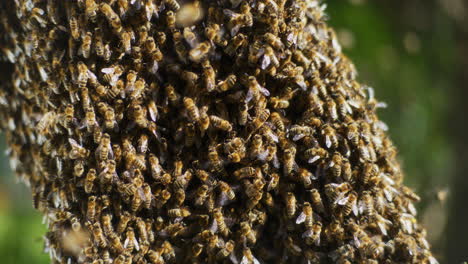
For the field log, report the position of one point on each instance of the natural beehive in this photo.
(164, 131)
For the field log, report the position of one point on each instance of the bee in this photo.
(366, 204)
(269, 58)
(289, 163)
(247, 232)
(77, 151)
(261, 117)
(306, 215)
(199, 52)
(305, 177)
(243, 115)
(336, 164)
(209, 76)
(139, 116)
(336, 192)
(410, 194)
(290, 204)
(120, 259)
(201, 194)
(331, 139)
(83, 76)
(255, 89)
(131, 242)
(126, 40)
(99, 237)
(89, 180)
(214, 34)
(190, 37)
(111, 16)
(91, 208)
(179, 212)
(155, 257)
(156, 169)
(172, 95)
(153, 111)
(104, 150)
(312, 236)
(91, 10)
(238, 41)
(226, 250)
(192, 110)
(245, 172)
(349, 204)
(106, 220)
(117, 150)
(204, 121)
(74, 27)
(78, 168)
(86, 45)
(125, 218)
(226, 192)
(172, 4)
(219, 123)
(220, 223)
(369, 171)
(298, 132)
(99, 48)
(353, 133)
(227, 83)
(273, 41)
(331, 109)
(278, 103)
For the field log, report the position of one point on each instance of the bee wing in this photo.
(355, 209)
(342, 201)
(276, 162)
(249, 96)
(301, 218)
(91, 75)
(244, 260)
(328, 141)
(263, 155)
(223, 199)
(307, 233)
(266, 61)
(233, 258)
(214, 226)
(298, 137)
(73, 143)
(108, 70)
(314, 159)
(382, 227)
(263, 90)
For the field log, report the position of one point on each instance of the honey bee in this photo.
(156, 169)
(219, 123)
(192, 109)
(153, 111)
(104, 150)
(331, 108)
(278, 103)
(220, 223)
(179, 212)
(99, 237)
(298, 132)
(269, 58)
(245, 172)
(336, 192)
(204, 121)
(226, 250)
(77, 151)
(155, 257)
(290, 204)
(91, 10)
(172, 4)
(261, 117)
(312, 236)
(172, 95)
(91, 210)
(331, 139)
(74, 27)
(238, 41)
(366, 204)
(227, 83)
(125, 218)
(289, 163)
(247, 232)
(131, 242)
(201, 194)
(369, 171)
(274, 41)
(226, 193)
(111, 16)
(86, 45)
(349, 204)
(139, 116)
(126, 40)
(199, 52)
(255, 89)
(89, 180)
(106, 220)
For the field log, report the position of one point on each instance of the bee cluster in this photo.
(223, 131)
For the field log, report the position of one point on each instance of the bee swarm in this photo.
(169, 131)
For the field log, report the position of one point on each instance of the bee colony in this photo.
(228, 131)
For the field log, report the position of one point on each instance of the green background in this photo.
(406, 51)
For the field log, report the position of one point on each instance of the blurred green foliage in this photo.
(408, 60)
